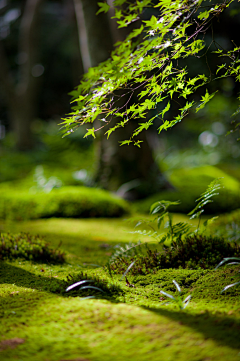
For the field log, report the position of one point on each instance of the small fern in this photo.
(182, 236)
(181, 229)
(130, 249)
(161, 212)
(204, 199)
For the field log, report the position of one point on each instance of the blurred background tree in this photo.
(39, 50)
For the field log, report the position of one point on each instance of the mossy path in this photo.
(39, 321)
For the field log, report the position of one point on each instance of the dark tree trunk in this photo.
(71, 20)
(129, 169)
(21, 116)
(21, 96)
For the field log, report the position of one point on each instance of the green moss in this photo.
(62, 202)
(190, 183)
(131, 323)
(54, 327)
(59, 328)
(201, 284)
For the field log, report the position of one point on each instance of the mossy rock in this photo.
(71, 201)
(190, 183)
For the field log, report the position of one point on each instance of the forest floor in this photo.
(39, 321)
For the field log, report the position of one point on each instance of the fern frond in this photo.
(130, 249)
(205, 198)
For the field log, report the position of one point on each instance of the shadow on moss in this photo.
(221, 328)
(11, 274)
(16, 275)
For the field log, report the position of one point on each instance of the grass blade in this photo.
(177, 286)
(92, 287)
(186, 301)
(129, 267)
(226, 260)
(168, 295)
(233, 284)
(74, 285)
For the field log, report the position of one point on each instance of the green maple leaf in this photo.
(104, 7)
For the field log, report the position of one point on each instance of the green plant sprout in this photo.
(235, 261)
(182, 304)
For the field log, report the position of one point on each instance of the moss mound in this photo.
(195, 252)
(190, 183)
(29, 247)
(71, 201)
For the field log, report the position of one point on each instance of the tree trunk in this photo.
(82, 35)
(21, 115)
(21, 96)
(129, 169)
(98, 32)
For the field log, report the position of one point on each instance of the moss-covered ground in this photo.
(40, 321)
